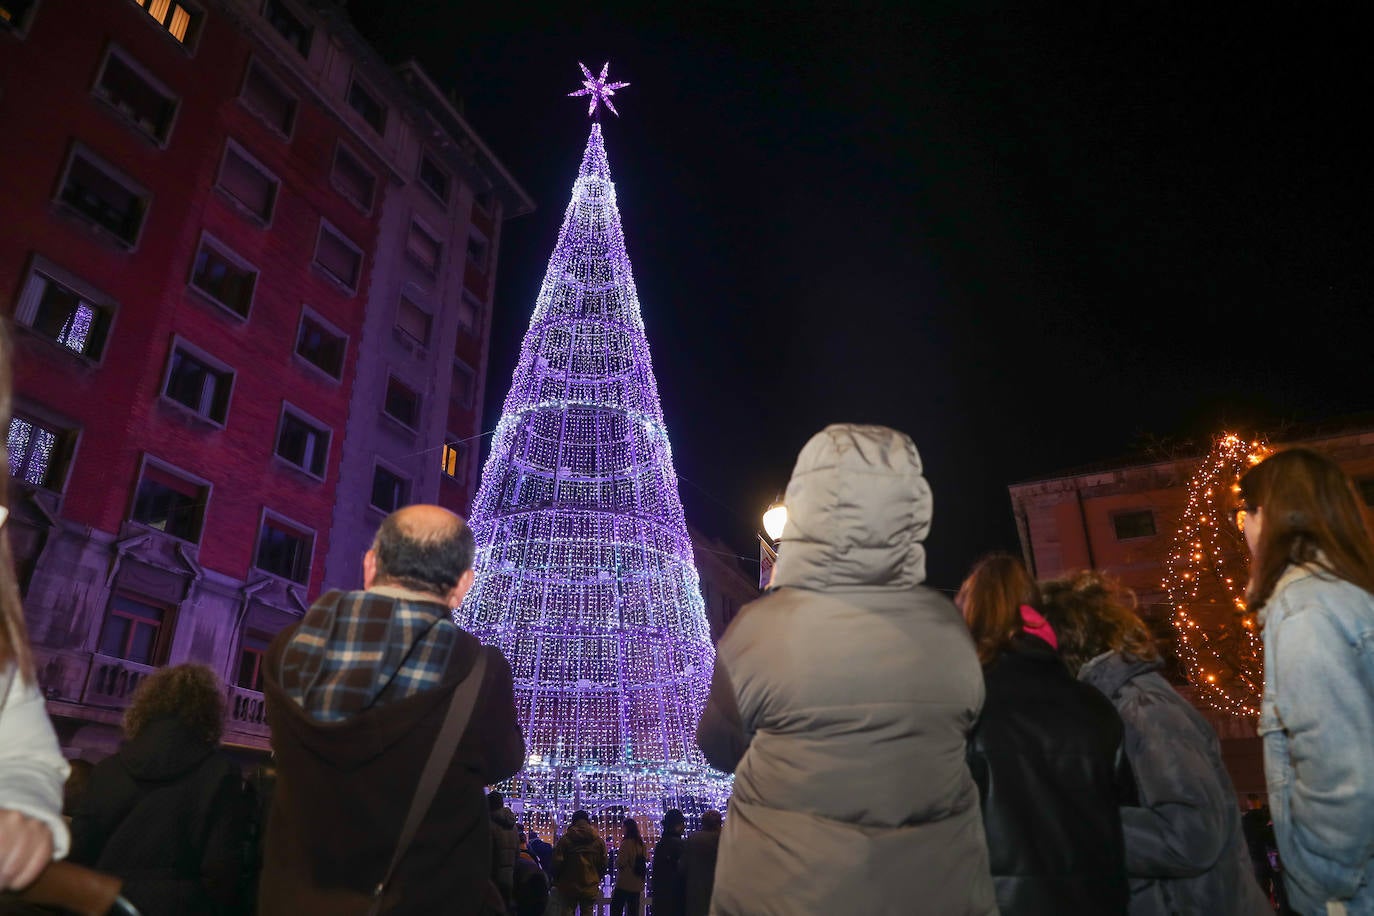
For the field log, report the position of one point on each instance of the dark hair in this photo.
(710, 819)
(673, 818)
(581, 816)
(495, 800)
(991, 599)
(1311, 516)
(1092, 613)
(14, 640)
(632, 830)
(188, 693)
(431, 562)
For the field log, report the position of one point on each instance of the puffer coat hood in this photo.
(858, 510)
(843, 700)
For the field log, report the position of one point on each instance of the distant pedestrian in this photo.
(1185, 848)
(631, 865)
(1312, 585)
(669, 893)
(505, 846)
(542, 852)
(579, 861)
(842, 701)
(531, 884)
(358, 694)
(1047, 757)
(166, 813)
(699, 863)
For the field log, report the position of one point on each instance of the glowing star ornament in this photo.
(598, 89)
(586, 577)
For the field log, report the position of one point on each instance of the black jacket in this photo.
(667, 883)
(168, 815)
(1185, 850)
(1047, 757)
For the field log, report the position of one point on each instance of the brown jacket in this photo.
(344, 788)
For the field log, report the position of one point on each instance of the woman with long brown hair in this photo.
(1045, 755)
(32, 771)
(1312, 585)
(1185, 851)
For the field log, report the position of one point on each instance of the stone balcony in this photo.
(111, 681)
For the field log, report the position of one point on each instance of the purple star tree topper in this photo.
(598, 90)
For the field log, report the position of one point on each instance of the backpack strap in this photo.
(455, 724)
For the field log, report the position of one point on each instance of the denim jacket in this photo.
(1317, 722)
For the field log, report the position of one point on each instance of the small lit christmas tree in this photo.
(586, 579)
(1218, 643)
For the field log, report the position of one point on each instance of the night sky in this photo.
(1032, 241)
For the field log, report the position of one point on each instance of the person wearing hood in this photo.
(842, 701)
(505, 846)
(166, 812)
(579, 861)
(669, 888)
(1312, 587)
(1046, 755)
(357, 693)
(1185, 847)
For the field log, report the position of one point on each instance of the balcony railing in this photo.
(111, 681)
(247, 712)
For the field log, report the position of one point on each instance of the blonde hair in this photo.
(188, 693)
(1092, 613)
(991, 599)
(14, 639)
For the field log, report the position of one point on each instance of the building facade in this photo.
(207, 209)
(725, 586)
(1122, 520)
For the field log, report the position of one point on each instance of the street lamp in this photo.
(774, 521)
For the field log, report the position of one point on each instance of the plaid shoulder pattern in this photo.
(354, 650)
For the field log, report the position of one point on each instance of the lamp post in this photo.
(774, 520)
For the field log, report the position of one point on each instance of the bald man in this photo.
(356, 695)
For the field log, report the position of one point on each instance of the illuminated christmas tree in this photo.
(586, 578)
(1219, 645)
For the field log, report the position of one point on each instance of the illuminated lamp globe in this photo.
(774, 520)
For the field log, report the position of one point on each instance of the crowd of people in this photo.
(1016, 750)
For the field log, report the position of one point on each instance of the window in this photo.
(361, 100)
(468, 310)
(251, 652)
(284, 549)
(321, 344)
(133, 630)
(66, 311)
(289, 26)
(1366, 487)
(198, 383)
(463, 384)
(247, 182)
(339, 257)
(303, 442)
(390, 491)
(485, 201)
(138, 96)
(433, 177)
(352, 178)
(39, 452)
(170, 502)
(223, 276)
(14, 14)
(104, 196)
(180, 20)
(424, 248)
(268, 99)
(413, 321)
(477, 250)
(402, 402)
(455, 458)
(1140, 524)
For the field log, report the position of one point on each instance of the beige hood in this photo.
(858, 510)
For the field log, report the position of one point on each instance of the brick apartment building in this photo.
(249, 269)
(1122, 519)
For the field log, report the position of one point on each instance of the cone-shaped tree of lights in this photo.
(585, 574)
(1205, 575)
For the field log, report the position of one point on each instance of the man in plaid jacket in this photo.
(356, 693)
